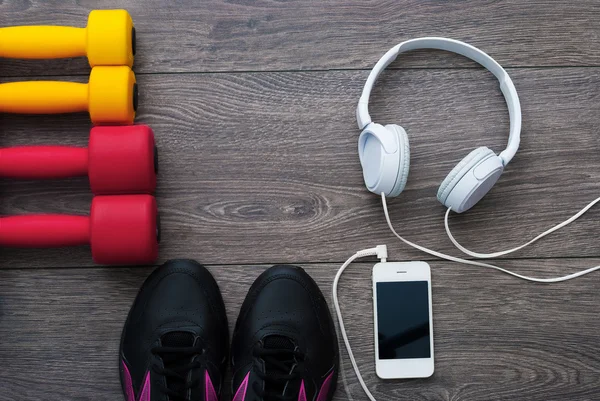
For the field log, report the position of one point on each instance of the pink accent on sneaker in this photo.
(324, 392)
(129, 393)
(240, 394)
(210, 393)
(302, 395)
(127, 382)
(145, 396)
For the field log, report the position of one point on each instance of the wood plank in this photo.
(495, 337)
(261, 35)
(263, 166)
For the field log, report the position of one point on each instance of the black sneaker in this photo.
(284, 345)
(174, 343)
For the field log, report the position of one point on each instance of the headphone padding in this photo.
(468, 162)
(379, 152)
(404, 166)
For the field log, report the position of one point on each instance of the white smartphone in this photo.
(403, 320)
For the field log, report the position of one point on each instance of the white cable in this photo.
(506, 252)
(481, 264)
(381, 252)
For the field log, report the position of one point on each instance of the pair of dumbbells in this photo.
(121, 229)
(108, 41)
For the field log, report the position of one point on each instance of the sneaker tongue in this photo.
(177, 339)
(282, 343)
(278, 342)
(172, 361)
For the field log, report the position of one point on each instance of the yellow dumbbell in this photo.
(110, 96)
(108, 39)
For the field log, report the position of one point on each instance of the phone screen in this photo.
(403, 320)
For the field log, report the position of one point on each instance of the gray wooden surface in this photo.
(252, 103)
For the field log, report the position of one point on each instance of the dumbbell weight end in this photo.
(124, 229)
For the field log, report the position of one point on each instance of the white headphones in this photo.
(385, 158)
(384, 152)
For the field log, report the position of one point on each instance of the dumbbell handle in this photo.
(41, 42)
(43, 97)
(43, 162)
(44, 231)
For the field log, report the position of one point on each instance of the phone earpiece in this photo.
(385, 158)
(470, 180)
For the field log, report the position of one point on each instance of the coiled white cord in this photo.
(481, 264)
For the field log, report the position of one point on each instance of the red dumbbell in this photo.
(120, 229)
(119, 160)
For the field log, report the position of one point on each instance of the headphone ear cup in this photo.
(404, 163)
(458, 172)
(383, 155)
(470, 179)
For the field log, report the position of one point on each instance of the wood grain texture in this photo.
(251, 35)
(252, 103)
(495, 338)
(262, 167)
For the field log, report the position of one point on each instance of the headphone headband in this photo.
(506, 85)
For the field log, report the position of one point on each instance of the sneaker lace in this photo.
(178, 363)
(281, 367)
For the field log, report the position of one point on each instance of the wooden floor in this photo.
(252, 103)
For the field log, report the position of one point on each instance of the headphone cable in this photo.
(381, 252)
(488, 265)
(506, 252)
